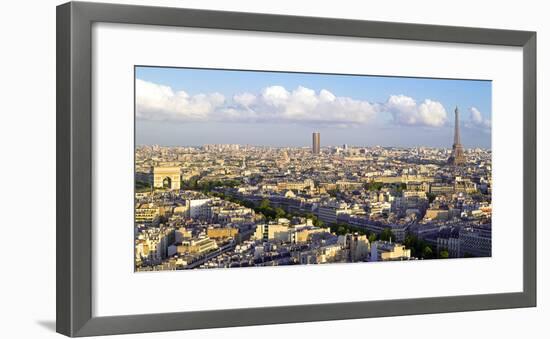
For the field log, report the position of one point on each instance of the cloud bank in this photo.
(277, 104)
(159, 102)
(273, 104)
(477, 120)
(406, 111)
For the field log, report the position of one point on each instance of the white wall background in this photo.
(27, 168)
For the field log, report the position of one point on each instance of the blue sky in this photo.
(179, 106)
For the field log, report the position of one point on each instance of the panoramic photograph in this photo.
(239, 168)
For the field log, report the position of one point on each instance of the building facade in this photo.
(316, 147)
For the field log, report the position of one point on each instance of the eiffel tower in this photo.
(457, 156)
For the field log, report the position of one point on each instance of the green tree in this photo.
(372, 237)
(427, 252)
(401, 187)
(415, 245)
(142, 186)
(264, 204)
(444, 254)
(248, 203)
(374, 186)
(387, 234)
(280, 213)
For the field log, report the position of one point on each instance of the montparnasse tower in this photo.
(457, 156)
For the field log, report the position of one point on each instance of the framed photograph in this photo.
(220, 169)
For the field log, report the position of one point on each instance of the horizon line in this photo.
(309, 146)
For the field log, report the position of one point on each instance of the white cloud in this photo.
(245, 99)
(477, 120)
(406, 111)
(306, 105)
(279, 104)
(275, 95)
(159, 102)
(475, 115)
(273, 104)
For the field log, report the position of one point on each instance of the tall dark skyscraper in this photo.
(316, 147)
(457, 156)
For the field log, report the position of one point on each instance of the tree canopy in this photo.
(419, 248)
(387, 235)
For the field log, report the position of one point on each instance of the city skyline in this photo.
(280, 169)
(225, 206)
(307, 145)
(192, 107)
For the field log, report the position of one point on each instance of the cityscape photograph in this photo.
(237, 168)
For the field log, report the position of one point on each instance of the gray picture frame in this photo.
(74, 168)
